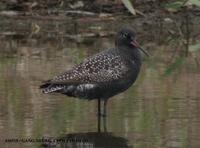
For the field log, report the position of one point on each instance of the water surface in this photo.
(161, 110)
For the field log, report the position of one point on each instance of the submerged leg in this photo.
(104, 115)
(104, 107)
(99, 115)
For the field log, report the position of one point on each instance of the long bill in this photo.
(144, 51)
(135, 44)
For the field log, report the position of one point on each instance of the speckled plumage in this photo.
(102, 75)
(94, 69)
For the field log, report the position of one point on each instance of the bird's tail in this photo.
(48, 87)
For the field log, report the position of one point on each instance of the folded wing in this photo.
(85, 77)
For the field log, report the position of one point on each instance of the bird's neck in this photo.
(131, 53)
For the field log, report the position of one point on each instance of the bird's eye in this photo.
(125, 35)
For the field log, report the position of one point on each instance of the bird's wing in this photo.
(99, 68)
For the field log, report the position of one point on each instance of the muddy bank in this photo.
(85, 23)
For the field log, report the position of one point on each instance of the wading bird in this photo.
(102, 75)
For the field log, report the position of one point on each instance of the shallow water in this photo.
(161, 110)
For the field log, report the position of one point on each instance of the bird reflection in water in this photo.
(88, 140)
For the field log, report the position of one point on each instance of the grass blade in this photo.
(129, 6)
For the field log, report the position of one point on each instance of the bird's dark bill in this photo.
(136, 45)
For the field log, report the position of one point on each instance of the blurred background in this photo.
(41, 38)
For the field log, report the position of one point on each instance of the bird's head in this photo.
(127, 38)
